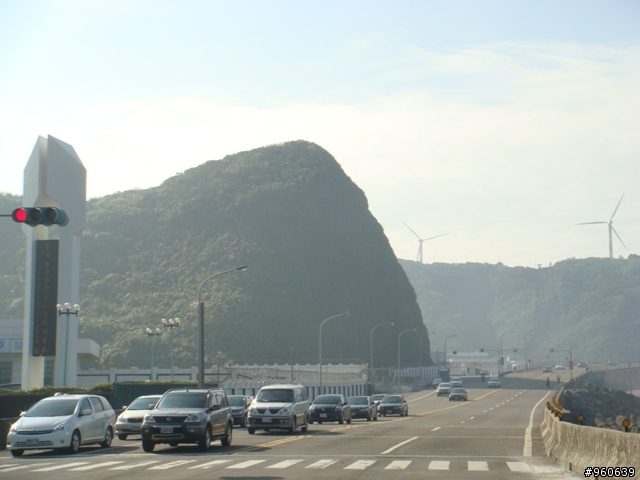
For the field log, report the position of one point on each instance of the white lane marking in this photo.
(472, 418)
(439, 465)
(135, 465)
(94, 466)
(210, 464)
(360, 465)
(322, 463)
(247, 464)
(398, 465)
(59, 467)
(398, 445)
(518, 467)
(284, 464)
(478, 466)
(527, 452)
(435, 429)
(12, 468)
(169, 465)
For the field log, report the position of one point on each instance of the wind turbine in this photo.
(420, 240)
(611, 229)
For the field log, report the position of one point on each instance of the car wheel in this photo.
(228, 436)
(369, 417)
(305, 427)
(108, 438)
(74, 446)
(341, 419)
(319, 422)
(122, 437)
(17, 453)
(251, 430)
(311, 422)
(205, 443)
(292, 428)
(148, 446)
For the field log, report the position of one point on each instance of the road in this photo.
(494, 435)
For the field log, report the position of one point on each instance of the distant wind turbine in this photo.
(420, 240)
(611, 229)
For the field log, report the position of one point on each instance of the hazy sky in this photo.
(501, 123)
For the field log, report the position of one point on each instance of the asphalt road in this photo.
(494, 435)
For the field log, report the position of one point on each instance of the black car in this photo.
(363, 407)
(240, 408)
(188, 415)
(330, 408)
(394, 405)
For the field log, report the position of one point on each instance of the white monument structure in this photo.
(53, 177)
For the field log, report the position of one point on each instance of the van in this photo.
(279, 407)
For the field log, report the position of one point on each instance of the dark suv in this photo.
(188, 415)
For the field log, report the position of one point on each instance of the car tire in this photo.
(148, 446)
(205, 442)
(228, 436)
(349, 420)
(251, 430)
(292, 428)
(305, 427)
(17, 453)
(122, 436)
(341, 419)
(369, 417)
(74, 446)
(108, 438)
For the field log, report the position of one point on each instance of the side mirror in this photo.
(85, 412)
(214, 408)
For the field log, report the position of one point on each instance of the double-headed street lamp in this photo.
(171, 324)
(445, 347)
(371, 345)
(344, 314)
(201, 323)
(501, 367)
(66, 310)
(404, 331)
(152, 333)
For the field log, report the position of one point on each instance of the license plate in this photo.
(135, 428)
(32, 441)
(166, 429)
(266, 420)
(323, 415)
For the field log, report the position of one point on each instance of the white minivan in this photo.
(279, 407)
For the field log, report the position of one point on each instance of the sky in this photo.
(501, 124)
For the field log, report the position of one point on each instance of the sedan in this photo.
(458, 394)
(240, 408)
(455, 382)
(129, 421)
(330, 408)
(363, 407)
(546, 369)
(493, 383)
(443, 390)
(394, 405)
(63, 422)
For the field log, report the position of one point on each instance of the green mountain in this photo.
(589, 307)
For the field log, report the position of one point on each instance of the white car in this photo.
(64, 422)
(455, 382)
(129, 421)
(560, 367)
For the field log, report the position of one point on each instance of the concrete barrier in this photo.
(577, 447)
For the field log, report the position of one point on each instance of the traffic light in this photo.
(34, 216)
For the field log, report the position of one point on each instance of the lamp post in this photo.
(171, 324)
(152, 333)
(404, 331)
(66, 310)
(501, 366)
(371, 345)
(201, 323)
(344, 314)
(445, 347)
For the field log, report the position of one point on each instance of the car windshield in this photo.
(183, 400)
(55, 408)
(357, 401)
(142, 403)
(237, 401)
(378, 396)
(444, 385)
(457, 390)
(275, 395)
(392, 399)
(327, 399)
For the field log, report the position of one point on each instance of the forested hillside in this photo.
(589, 306)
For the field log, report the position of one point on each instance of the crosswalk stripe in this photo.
(210, 464)
(135, 465)
(284, 464)
(518, 467)
(478, 466)
(93, 467)
(60, 467)
(398, 465)
(322, 464)
(167, 466)
(360, 465)
(439, 465)
(247, 464)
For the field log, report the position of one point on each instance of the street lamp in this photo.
(201, 323)
(171, 324)
(345, 314)
(66, 310)
(445, 347)
(404, 331)
(371, 345)
(501, 366)
(152, 333)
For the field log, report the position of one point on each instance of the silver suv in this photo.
(279, 407)
(188, 415)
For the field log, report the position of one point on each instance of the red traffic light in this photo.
(34, 216)
(19, 215)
